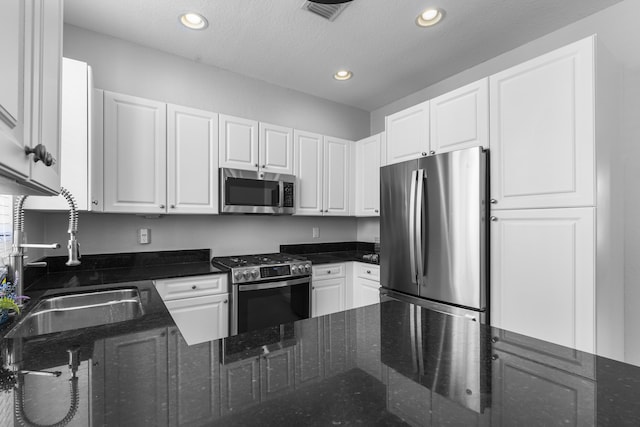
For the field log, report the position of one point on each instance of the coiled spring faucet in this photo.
(16, 259)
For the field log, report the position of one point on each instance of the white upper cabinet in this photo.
(238, 143)
(542, 131)
(135, 154)
(76, 145)
(543, 274)
(309, 154)
(337, 176)
(460, 118)
(46, 92)
(407, 134)
(323, 172)
(367, 163)
(30, 89)
(276, 149)
(192, 160)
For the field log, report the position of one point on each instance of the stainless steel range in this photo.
(267, 290)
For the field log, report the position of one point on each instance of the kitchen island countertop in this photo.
(391, 363)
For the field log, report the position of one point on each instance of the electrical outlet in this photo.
(144, 236)
(315, 232)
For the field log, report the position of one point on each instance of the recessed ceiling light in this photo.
(343, 75)
(193, 20)
(429, 17)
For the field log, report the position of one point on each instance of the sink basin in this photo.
(76, 311)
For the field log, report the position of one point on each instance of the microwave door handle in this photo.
(281, 194)
(412, 226)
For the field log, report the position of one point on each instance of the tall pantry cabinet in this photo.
(555, 202)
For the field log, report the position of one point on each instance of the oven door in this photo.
(260, 305)
(249, 192)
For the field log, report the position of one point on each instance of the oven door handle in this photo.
(273, 285)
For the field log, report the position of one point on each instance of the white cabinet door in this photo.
(408, 133)
(460, 118)
(328, 296)
(276, 149)
(46, 90)
(365, 292)
(238, 143)
(192, 160)
(543, 274)
(308, 164)
(368, 176)
(12, 89)
(75, 128)
(201, 319)
(337, 176)
(542, 131)
(135, 149)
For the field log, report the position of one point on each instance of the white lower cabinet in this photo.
(543, 274)
(366, 284)
(329, 296)
(198, 305)
(201, 319)
(338, 287)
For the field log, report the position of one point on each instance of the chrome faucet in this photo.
(16, 258)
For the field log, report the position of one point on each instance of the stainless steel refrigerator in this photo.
(433, 232)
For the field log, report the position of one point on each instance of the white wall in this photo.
(616, 27)
(129, 68)
(224, 234)
(368, 229)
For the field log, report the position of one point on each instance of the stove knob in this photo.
(237, 275)
(307, 268)
(255, 274)
(294, 269)
(246, 274)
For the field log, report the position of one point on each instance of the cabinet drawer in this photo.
(368, 271)
(328, 271)
(189, 287)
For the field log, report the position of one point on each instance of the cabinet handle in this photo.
(432, 152)
(40, 153)
(225, 301)
(375, 210)
(172, 206)
(193, 287)
(494, 218)
(493, 201)
(424, 153)
(161, 206)
(173, 332)
(263, 166)
(95, 202)
(368, 271)
(328, 271)
(256, 165)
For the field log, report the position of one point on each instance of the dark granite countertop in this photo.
(117, 268)
(328, 253)
(386, 364)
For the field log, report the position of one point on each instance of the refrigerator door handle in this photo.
(412, 226)
(418, 221)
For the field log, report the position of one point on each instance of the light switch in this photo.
(316, 232)
(144, 236)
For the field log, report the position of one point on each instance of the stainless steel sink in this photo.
(76, 311)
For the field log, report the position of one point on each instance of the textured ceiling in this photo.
(279, 42)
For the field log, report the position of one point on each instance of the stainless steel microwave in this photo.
(256, 192)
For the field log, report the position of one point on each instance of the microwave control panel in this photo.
(288, 195)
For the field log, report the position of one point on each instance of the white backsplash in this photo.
(5, 227)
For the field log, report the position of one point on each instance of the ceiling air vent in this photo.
(327, 11)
